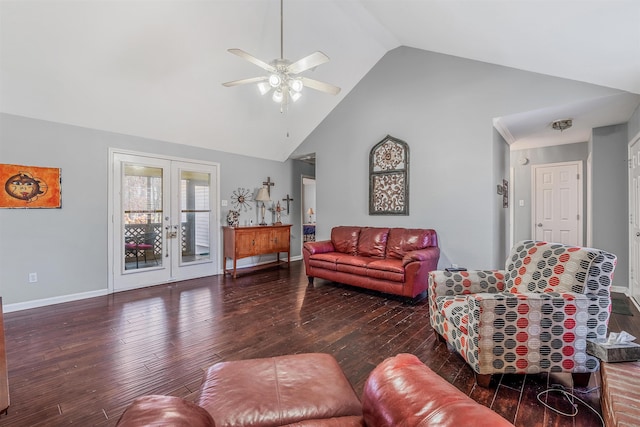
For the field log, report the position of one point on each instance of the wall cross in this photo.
(288, 199)
(269, 184)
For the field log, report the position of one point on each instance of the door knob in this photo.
(637, 233)
(539, 224)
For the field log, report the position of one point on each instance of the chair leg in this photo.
(439, 337)
(310, 278)
(483, 380)
(581, 379)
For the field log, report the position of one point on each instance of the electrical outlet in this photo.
(33, 277)
(224, 203)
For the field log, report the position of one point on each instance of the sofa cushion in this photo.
(327, 260)
(345, 239)
(278, 391)
(155, 410)
(358, 261)
(373, 242)
(403, 240)
(386, 269)
(353, 264)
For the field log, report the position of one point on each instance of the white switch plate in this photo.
(224, 203)
(521, 203)
(33, 277)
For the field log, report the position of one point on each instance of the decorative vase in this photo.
(233, 218)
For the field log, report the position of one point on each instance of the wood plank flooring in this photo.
(83, 362)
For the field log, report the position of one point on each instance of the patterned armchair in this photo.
(534, 316)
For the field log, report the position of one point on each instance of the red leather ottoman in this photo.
(301, 389)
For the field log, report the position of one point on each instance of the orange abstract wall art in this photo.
(29, 187)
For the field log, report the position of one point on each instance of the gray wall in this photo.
(522, 177)
(443, 107)
(611, 195)
(68, 247)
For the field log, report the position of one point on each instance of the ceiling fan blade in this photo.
(321, 86)
(242, 54)
(310, 61)
(245, 81)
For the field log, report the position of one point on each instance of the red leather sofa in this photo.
(311, 390)
(391, 260)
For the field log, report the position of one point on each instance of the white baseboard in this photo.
(53, 300)
(8, 308)
(620, 289)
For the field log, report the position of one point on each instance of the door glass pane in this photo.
(142, 216)
(195, 212)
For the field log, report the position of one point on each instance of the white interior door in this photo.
(557, 203)
(164, 220)
(634, 214)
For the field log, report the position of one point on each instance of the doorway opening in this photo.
(309, 208)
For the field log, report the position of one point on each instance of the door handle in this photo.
(637, 233)
(539, 224)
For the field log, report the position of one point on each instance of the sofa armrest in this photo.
(156, 410)
(443, 283)
(320, 247)
(427, 254)
(403, 391)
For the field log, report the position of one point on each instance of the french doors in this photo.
(163, 220)
(557, 203)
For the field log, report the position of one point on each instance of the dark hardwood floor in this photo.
(83, 362)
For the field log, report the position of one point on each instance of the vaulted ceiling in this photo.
(155, 68)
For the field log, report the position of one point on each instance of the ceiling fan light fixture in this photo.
(282, 73)
(296, 85)
(277, 96)
(264, 88)
(275, 80)
(561, 125)
(294, 95)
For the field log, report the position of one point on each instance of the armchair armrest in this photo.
(427, 254)
(442, 283)
(320, 247)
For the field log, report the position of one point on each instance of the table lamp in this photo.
(263, 196)
(310, 212)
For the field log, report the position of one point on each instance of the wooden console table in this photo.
(242, 242)
(4, 375)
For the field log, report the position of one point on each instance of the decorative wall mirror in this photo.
(389, 177)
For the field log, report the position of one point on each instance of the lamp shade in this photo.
(310, 211)
(263, 195)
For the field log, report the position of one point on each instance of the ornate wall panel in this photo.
(389, 177)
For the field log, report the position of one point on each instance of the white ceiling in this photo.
(154, 68)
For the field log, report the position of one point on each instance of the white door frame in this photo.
(633, 293)
(303, 212)
(580, 189)
(111, 261)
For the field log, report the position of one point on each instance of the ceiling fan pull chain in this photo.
(281, 32)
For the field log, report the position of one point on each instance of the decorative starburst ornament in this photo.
(241, 199)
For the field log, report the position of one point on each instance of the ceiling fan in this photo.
(283, 78)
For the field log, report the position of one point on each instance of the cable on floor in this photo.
(569, 396)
